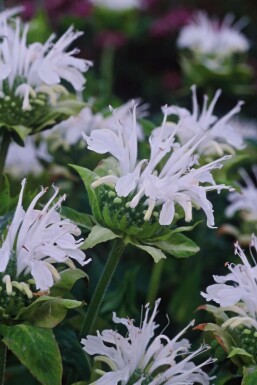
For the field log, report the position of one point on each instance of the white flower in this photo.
(211, 37)
(117, 5)
(221, 136)
(237, 291)
(244, 201)
(22, 161)
(246, 128)
(143, 356)
(69, 132)
(39, 238)
(178, 182)
(29, 69)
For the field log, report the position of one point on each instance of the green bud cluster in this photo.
(11, 303)
(137, 375)
(248, 340)
(11, 113)
(119, 210)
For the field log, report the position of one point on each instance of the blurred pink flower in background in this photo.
(113, 39)
(170, 22)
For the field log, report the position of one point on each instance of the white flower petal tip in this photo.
(142, 355)
(236, 292)
(39, 239)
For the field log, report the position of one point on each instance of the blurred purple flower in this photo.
(170, 22)
(113, 39)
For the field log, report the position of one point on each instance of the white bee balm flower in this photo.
(39, 238)
(236, 292)
(211, 37)
(33, 72)
(141, 357)
(177, 181)
(222, 136)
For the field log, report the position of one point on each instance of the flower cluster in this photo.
(69, 132)
(179, 180)
(244, 201)
(210, 37)
(222, 136)
(236, 292)
(31, 74)
(142, 358)
(36, 239)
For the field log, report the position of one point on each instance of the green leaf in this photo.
(47, 311)
(98, 234)
(5, 197)
(250, 376)
(36, 349)
(178, 245)
(81, 219)
(157, 254)
(88, 177)
(68, 278)
(80, 383)
(21, 131)
(239, 352)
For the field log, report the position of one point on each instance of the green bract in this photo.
(42, 114)
(115, 219)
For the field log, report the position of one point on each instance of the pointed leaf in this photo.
(88, 177)
(179, 246)
(240, 352)
(81, 219)
(98, 234)
(68, 278)
(157, 254)
(36, 349)
(47, 311)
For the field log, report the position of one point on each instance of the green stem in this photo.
(3, 351)
(107, 72)
(155, 281)
(6, 140)
(103, 283)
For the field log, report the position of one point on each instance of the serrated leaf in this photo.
(98, 234)
(178, 245)
(81, 219)
(36, 349)
(47, 311)
(157, 254)
(68, 278)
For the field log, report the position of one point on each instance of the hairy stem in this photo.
(103, 283)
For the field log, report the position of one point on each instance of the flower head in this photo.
(36, 239)
(178, 182)
(244, 201)
(31, 74)
(143, 358)
(69, 132)
(236, 292)
(221, 136)
(206, 36)
(22, 161)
